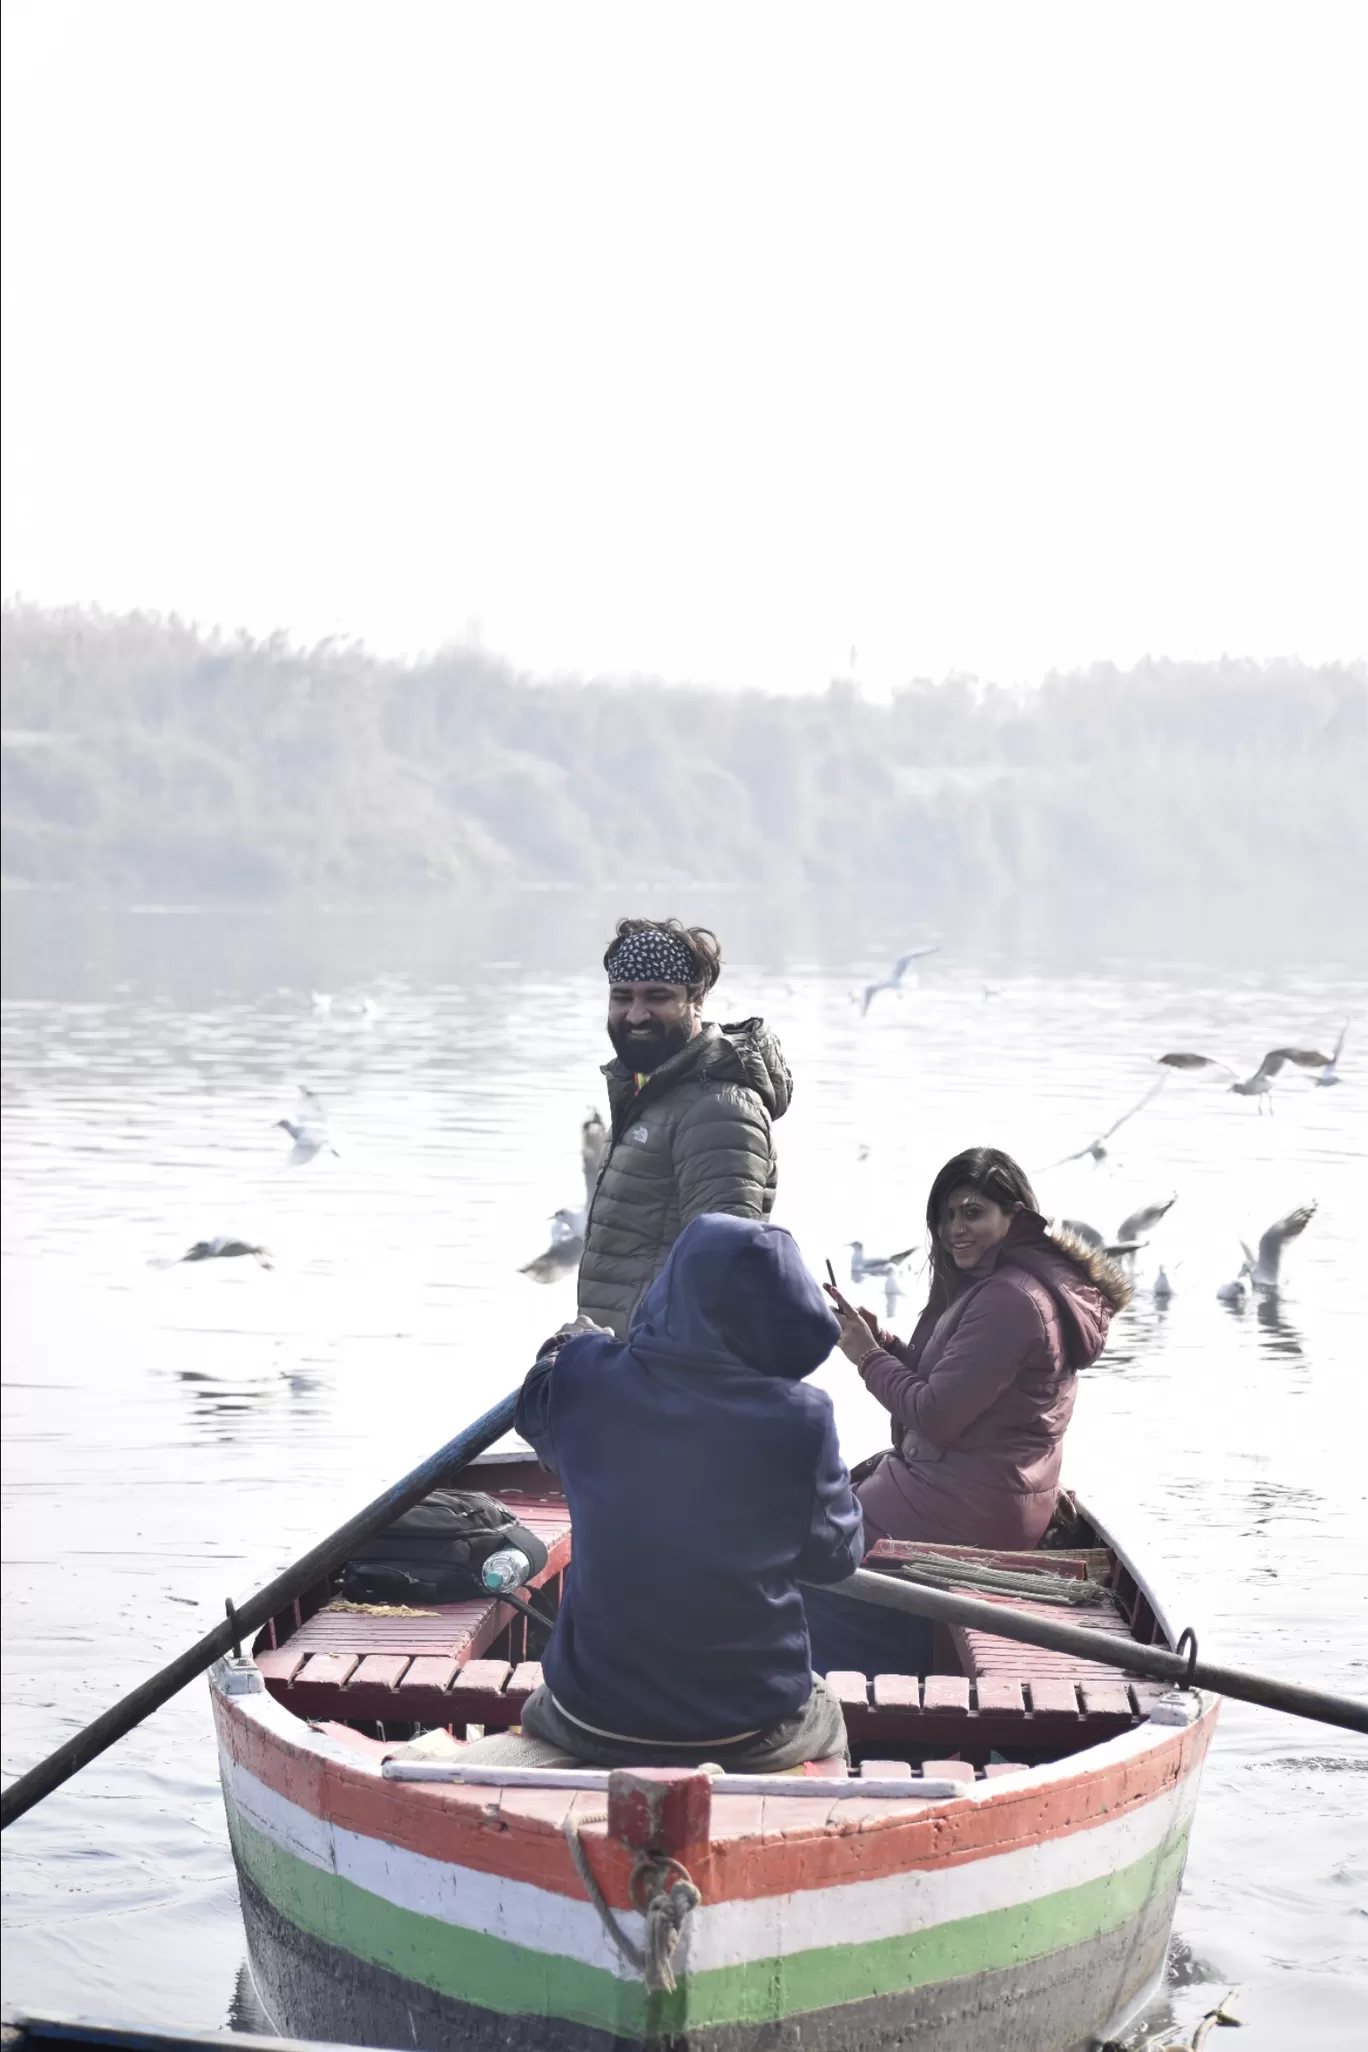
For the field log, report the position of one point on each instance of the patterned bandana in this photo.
(651, 957)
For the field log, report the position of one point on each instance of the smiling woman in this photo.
(982, 1394)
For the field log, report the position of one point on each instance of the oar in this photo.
(893, 1593)
(329, 1554)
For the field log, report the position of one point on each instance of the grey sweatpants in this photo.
(816, 1733)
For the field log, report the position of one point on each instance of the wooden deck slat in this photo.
(1001, 1693)
(282, 1665)
(897, 1692)
(430, 1671)
(380, 1670)
(1052, 1697)
(946, 1692)
(997, 1767)
(848, 1687)
(947, 1770)
(334, 1669)
(885, 1770)
(488, 1676)
(526, 1677)
(1104, 1698)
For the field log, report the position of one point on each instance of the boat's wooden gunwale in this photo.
(518, 1832)
(1164, 1633)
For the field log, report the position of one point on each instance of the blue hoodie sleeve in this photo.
(834, 1546)
(532, 1419)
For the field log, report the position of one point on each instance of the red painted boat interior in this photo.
(990, 1704)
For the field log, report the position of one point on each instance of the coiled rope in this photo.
(661, 1889)
(939, 1572)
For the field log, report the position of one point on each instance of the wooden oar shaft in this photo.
(1005, 1622)
(330, 1553)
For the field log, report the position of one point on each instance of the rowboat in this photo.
(998, 1869)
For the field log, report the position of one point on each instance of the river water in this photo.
(176, 1434)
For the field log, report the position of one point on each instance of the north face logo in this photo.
(639, 1133)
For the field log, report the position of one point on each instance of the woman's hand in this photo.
(861, 1332)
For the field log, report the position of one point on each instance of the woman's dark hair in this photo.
(995, 1176)
(701, 942)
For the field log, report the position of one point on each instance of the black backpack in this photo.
(434, 1552)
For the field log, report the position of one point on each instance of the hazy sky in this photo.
(707, 341)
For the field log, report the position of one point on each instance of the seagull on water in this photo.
(224, 1248)
(593, 1138)
(1161, 1288)
(308, 1130)
(1261, 1082)
(894, 980)
(1330, 1073)
(862, 1264)
(1097, 1148)
(563, 1254)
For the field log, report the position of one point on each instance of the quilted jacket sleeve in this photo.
(723, 1154)
(986, 1353)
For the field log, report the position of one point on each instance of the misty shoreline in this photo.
(149, 761)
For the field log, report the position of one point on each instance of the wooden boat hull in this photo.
(1029, 1914)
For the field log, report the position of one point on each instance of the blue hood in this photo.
(735, 1292)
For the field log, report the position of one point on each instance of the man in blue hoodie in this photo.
(705, 1482)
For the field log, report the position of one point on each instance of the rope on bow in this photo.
(661, 1889)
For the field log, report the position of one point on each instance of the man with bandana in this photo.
(691, 1109)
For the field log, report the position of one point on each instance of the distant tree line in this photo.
(142, 753)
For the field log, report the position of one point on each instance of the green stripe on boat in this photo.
(518, 1980)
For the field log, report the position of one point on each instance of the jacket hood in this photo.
(746, 1053)
(1085, 1285)
(735, 1291)
(758, 1056)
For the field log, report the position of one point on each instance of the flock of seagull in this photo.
(310, 1136)
(1259, 1273)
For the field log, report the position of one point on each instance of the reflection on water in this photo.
(176, 1434)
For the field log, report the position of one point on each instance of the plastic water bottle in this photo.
(509, 1568)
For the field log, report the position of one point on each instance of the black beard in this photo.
(641, 1056)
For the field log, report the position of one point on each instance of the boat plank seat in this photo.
(1007, 1696)
(421, 1666)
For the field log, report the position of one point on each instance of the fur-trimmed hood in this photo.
(1102, 1272)
(1087, 1288)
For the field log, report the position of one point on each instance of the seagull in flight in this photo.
(1260, 1271)
(1330, 1073)
(1261, 1082)
(1262, 1267)
(862, 1264)
(894, 980)
(308, 1130)
(1131, 1235)
(1097, 1148)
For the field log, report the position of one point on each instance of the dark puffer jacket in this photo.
(696, 1137)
